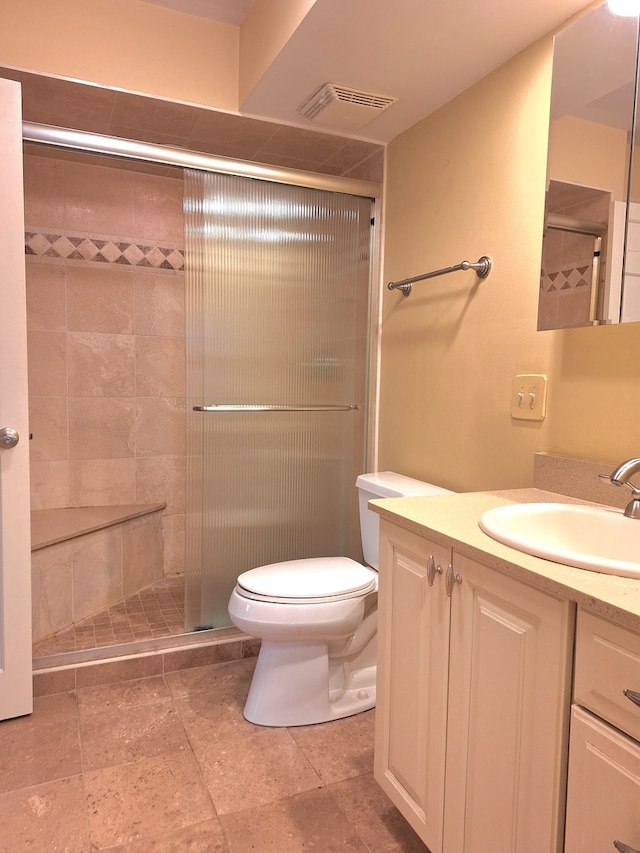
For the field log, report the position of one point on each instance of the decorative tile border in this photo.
(104, 250)
(567, 279)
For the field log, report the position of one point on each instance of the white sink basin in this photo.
(595, 538)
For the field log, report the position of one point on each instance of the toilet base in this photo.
(298, 684)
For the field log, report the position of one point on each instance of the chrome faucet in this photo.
(621, 477)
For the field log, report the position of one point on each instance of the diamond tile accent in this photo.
(63, 247)
(112, 254)
(88, 250)
(133, 254)
(566, 279)
(175, 259)
(104, 250)
(36, 244)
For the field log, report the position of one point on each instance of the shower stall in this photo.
(277, 278)
(277, 282)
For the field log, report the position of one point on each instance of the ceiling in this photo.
(422, 52)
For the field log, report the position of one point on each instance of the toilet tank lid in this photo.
(388, 484)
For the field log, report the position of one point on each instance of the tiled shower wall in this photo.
(105, 315)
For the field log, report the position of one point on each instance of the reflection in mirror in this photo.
(589, 154)
(574, 252)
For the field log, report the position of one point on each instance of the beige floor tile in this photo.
(246, 772)
(42, 747)
(124, 694)
(145, 800)
(376, 819)
(48, 817)
(205, 837)
(208, 721)
(308, 821)
(339, 749)
(124, 735)
(161, 754)
(210, 700)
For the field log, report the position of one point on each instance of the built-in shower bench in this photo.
(87, 558)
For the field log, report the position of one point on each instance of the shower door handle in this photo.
(9, 437)
(237, 407)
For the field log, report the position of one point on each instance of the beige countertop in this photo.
(453, 520)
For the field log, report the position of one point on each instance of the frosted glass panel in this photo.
(277, 315)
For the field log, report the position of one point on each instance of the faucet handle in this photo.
(635, 490)
(609, 479)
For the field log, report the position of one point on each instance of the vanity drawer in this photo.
(607, 663)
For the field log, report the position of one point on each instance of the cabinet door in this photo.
(603, 799)
(508, 714)
(413, 631)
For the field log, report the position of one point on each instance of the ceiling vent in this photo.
(344, 108)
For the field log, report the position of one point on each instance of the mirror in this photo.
(587, 270)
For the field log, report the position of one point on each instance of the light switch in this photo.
(529, 397)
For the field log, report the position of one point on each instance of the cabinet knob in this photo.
(452, 579)
(624, 848)
(632, 696)
(432, 569)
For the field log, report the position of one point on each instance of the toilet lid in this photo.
(316, 578)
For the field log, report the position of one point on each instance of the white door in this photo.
(15, 540)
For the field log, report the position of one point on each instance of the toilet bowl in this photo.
(317, 619)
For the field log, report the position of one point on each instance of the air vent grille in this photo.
(342, 107)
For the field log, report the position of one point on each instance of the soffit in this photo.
(65, 103)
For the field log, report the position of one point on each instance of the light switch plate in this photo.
(529, 397)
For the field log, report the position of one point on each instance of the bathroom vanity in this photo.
(491, 732)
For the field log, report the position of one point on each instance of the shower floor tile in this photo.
(155, 611)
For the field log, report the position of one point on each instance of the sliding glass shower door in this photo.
(277, 341)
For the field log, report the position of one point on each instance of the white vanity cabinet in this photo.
(472, 701)
(603, 792)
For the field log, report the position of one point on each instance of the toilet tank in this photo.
(384, 484)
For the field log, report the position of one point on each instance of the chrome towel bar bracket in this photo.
(482, 267)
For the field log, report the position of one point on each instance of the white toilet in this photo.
(317, 621)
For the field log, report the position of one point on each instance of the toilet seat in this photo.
(309, 581)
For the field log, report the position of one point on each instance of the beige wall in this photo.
(130, 44)
(468, 181)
